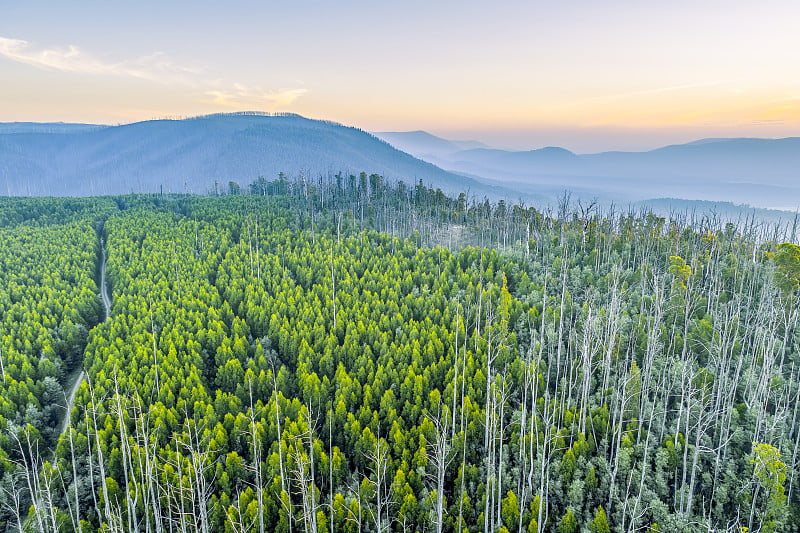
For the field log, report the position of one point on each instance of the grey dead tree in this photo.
(303, 472)
(175, 266)
(333, 289)
(127, 465)
(490, 420)
(589, 347)
(258, 247)
(455, 371)
(537, 448)
(46, 493)
(530, 390)
(613, 317)
(727, 376)
(647, 408)
(623, 398)
(544, 451)
(144, 463)
(502, 392)
(237, 521)
(352, 516)
(529, 378)
(72, 511)
(638, 510)
(330, 464)
(101, 463)
(564, 258)
(378, 477)
(200, 458)
(77, 518)
(763, 365)
(12, 499)
(153, 333)
(2, 368)
(250, 244)
(257, 453)
(704, 418)
(177, 495)
(439, 454)
(302, 477)
(30, 466)
(461, 423)
(284, 495)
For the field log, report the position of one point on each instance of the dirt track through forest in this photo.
(81, 376)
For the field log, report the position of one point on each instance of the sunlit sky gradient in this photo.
(585, 75)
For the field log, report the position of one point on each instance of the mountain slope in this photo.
(191, 155)
(425, 145)
(760, 172)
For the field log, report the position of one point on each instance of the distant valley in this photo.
(759, 172)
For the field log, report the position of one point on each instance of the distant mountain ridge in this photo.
(46, 127)
(190, 155)
(198, 154)
(759, 172)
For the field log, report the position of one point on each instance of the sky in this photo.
(586, 75)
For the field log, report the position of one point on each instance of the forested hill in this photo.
(198, 155)
(349, 356)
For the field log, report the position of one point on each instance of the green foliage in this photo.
(600, 523)
(279, 358)
(679, 270)
(787, 260)
(769, 473)
(510, 511)
(568, 523)
(591, 480)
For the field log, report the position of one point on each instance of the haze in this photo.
(590, 76)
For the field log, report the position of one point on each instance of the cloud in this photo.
(673, 88)
(155, 67)
(767, 122)
(240, 97)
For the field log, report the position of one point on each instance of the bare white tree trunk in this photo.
(100, 462)
(256, 452)
(74, 476)
(379, 464)
(440, 456)
(126, 462)
(155, 352)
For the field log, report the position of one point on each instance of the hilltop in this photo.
(198, 155)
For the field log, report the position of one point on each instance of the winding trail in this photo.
(81, 376)
(103, 285)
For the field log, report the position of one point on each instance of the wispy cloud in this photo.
(608, 98)
(241, 96)
(156, 67)
(766, 122)
(673, 88)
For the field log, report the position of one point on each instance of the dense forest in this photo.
(349, 355)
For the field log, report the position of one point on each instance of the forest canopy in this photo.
(353, 355)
